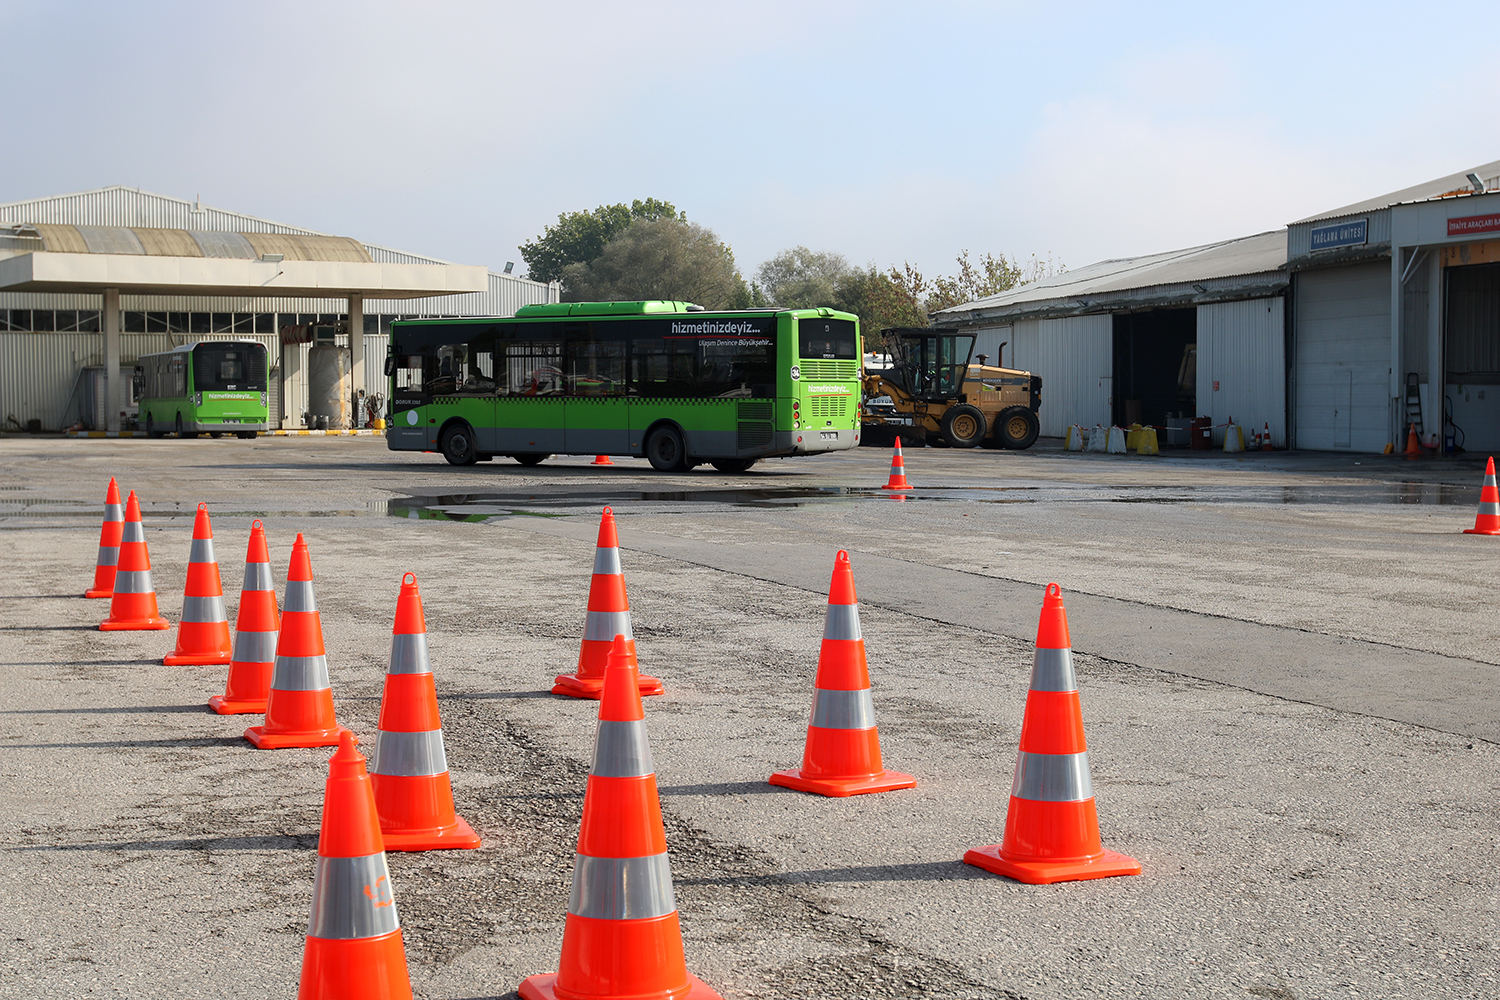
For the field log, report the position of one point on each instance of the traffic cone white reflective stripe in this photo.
(109, 544)
(341, 907)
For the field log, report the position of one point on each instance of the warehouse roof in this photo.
(151, 242)
(1240, 268)
(1449, 186)
(144, 244)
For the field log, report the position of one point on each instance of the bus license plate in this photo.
(829, 435)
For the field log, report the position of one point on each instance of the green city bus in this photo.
(218, 386)
(667, 381)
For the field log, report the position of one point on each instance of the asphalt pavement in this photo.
(1287, 662)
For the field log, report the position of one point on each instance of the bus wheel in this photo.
(179, 427)
(151, 431)
(245, 435)
(732, 464)
(530, 460)
(216, 434)
(665, 451)
(458, 445)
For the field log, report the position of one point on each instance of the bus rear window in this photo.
(229, 367)
(827, 339)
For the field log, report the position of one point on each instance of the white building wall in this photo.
(1074, 356)
(1342, 366)
(1242, 351)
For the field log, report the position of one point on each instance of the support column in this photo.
(112, 380)
(357, 356)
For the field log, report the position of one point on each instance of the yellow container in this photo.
(378, 423)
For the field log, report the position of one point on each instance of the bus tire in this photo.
(665, 450)
(245, 435)
(215, 434)
(530, 459)
(151, 429)
(458, 444)
(180, 433)
(732, 465)
(1017, 428)
(963, 426)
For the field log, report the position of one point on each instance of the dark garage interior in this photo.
(1150, 382)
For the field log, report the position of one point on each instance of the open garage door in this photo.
(1149, 377)
(1471, 330)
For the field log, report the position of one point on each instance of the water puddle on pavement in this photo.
(479, 507)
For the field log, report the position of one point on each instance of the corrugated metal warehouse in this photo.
(55, 341)
(1328, 331)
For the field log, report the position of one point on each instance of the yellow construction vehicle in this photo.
(936, 395)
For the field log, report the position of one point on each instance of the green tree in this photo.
(579, 237)
(800, 278)
(990, 275)
(665, 258)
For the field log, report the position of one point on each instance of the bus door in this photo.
(596, 414)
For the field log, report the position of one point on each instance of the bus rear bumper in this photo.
(814, 441)
(219, 427)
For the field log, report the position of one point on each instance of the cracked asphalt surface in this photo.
(1289, 678)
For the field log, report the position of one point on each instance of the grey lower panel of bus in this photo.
(205, 427)
(511, 440)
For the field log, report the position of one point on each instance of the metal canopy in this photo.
(139, 274)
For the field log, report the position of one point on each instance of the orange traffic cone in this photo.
(299, 706)
(109, 544)
(1265, 438)
(203, 632)
(897, 481)
(608, 616)
(842, 755)
(1487, 521)
(1052, 827)
(132, 606)
(255, 631)
(601, 460)
(354, 949)
(410, 772)
(1413, 443)
(621, 937)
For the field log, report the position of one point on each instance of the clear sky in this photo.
(883, 131)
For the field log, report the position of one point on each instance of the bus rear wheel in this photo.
(458, 445)
(245, 435)
(665, 450)
(180, 433)
(530, 460)
(215, 434)
(733, 465)
(152, 431)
